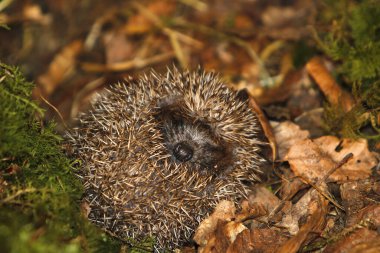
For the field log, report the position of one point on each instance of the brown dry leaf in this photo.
(85, 208)
(287, 134)
(312, 120)
(260, 202)
(59, 69)
(224, 54)
(369, 214)
(267, 129)
(312, 159)
(316, 208)
(359, 194)
(224, 234)
(262, 195)
(264, 240)
(224, 211)
(290, 185)
(347, 243)
(372, 246)
(334, 93)
(291, 219)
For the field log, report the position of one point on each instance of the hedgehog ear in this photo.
(242, 95)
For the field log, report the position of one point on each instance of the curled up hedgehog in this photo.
(160, 152)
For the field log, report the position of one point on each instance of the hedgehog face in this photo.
(193, 142)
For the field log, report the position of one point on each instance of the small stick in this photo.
(55, 109)
(323, 179)
(345, 159)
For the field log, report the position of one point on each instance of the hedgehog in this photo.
(159, 152)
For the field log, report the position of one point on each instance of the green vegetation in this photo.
(39, 193)
(353, 40)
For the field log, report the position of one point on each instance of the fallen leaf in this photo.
(224, 211)
(360, 236)
(287, 133)
(263, 196)
(224, 234)
(317, 209)
(265, 125)
(357, 194)
(372, 246)
(287, 22)
(264, 240)
(261, 202)
(312, 159)
(312, 120)
(59, 69)
(290, 185)
(369, 214)
(334, 93)
(291, 219)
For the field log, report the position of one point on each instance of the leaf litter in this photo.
(325, 193)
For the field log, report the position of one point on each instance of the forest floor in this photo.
(324, 135)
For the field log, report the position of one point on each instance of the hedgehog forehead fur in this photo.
(159, 152)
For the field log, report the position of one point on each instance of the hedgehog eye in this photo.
(183, 151)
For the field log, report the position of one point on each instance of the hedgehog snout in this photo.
(183, 151)
(192, 140)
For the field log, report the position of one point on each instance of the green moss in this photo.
(353, 41)
(353, 38)
(39, 193)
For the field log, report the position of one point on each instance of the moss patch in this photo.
(39, 193)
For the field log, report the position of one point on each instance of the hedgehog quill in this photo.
(160, 152)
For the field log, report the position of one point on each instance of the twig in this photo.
(174, 36)
(345, 159)
(84, 91)
(326, 176)
(324, 194)
(55, 109)
(18, 193)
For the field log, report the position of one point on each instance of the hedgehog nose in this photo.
(183, 151)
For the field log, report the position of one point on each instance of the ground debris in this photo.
(324, 192)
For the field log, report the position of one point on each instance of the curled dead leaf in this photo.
(317, 207)
(312, 159)
(331, 89)
(265, 125)
(224, 211)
